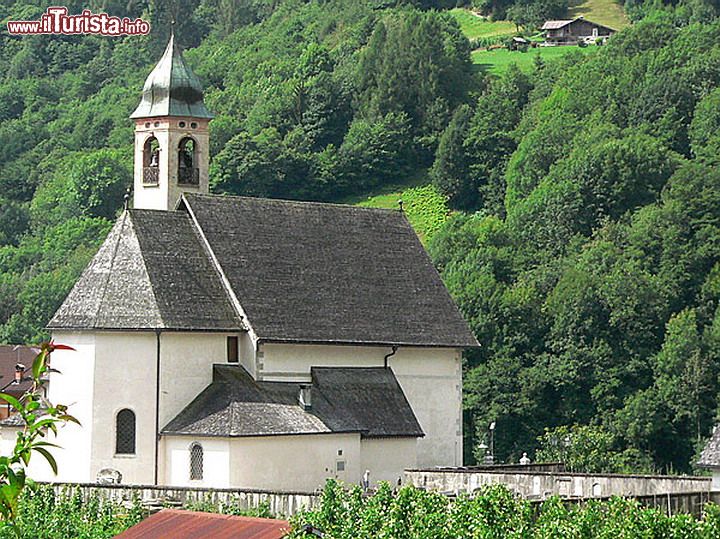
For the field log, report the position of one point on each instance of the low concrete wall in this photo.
(540, 485)
(281, 504)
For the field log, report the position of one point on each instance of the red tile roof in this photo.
(178, 524)
(11, 355)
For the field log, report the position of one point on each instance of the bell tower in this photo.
(172, 142)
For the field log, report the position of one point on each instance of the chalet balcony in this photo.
(151, 175)
(189, 176)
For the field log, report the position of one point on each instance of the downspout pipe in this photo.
(157, 405)
(391, 354)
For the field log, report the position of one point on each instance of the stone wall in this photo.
(281, 504)
(543, 484)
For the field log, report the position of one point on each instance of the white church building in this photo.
(243, 342)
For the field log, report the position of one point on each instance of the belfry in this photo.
(171, 135)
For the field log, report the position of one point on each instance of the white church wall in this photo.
(216, 462)
(125, 378)
(294, 463)
(186, 368)
(387, 458)
(73, 386)
(431, 379)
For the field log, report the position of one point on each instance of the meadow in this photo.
(497, 61)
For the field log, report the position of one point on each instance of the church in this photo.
(241, 342)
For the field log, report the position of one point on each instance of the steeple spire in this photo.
(172, 89)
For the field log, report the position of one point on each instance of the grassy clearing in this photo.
(497, 61)
(607, 12)
(475, 27)
(424, 206)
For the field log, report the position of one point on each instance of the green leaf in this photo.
(48, 456)
(12, 401)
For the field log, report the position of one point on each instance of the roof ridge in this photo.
(296, 202)
(215, 263)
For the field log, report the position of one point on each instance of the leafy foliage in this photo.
(39, 417)
(45, 513)
(494, 512)
(592, 285)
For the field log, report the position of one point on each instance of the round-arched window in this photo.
(125, 432)
(151, 161)
(188, 174)
(196, 462)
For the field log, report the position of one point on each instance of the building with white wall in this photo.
(710, 458)
(239, 342)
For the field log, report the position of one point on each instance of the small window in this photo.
(196, 462)
(340, 466)
(232, 349)
(125, 432)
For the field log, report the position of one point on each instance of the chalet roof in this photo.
(555, 25)
(150, 273)
(710, 456)
(354, 399)
(312, 272)
(179, 524)
(172, 89)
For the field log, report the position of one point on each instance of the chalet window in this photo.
(232, 349)
(196, 462)
(125, 432)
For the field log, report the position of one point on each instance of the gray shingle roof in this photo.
(150, 273)
(311, 272)
(710, 456)
(365, 400)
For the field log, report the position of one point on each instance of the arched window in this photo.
(125, 432)
(188, 174)
(196, 462)
(151, 161)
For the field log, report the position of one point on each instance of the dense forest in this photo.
(584, 241)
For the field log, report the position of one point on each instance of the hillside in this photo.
(607, 12)
(475, 26)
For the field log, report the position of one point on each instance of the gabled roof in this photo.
(555, 25)
(364, 400)
(329, 273)
(179, 524)
(172, 89)
(150, 273)
(710, 456)
(296, 271)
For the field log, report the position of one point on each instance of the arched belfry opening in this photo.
(188, 172)
(151, 161)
